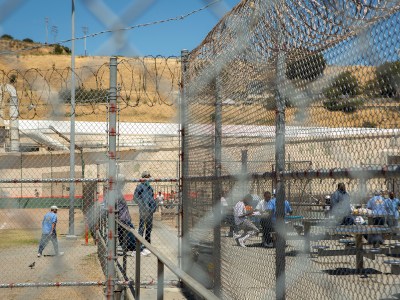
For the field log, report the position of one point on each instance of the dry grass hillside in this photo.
(148, 91)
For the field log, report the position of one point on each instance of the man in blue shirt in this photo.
(268, 221)
(49, 232)
(392, 206)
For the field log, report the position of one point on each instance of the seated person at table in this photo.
(340, 205)
(392, 206)
(378, 207)
(268, 221)
(241, 212)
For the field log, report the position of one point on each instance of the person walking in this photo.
(241, 214)
(144, 197)
(125, 237)
(49, 232)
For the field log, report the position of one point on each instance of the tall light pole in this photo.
(71, 231)
(85, 30)
(46, 22)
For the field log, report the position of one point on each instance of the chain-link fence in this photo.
(294, 97)
(126, 123)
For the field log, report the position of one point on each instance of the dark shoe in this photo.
(268, 245)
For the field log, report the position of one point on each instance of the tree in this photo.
(58, 49)
(306, 68)
(6, 37)
(342, 92)
(387, 81)
(27, 40)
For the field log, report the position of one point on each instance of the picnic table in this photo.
(358, 231)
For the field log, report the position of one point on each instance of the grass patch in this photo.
(17, 237)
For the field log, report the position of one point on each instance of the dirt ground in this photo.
(78, 264)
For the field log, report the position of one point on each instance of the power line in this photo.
(178, 18)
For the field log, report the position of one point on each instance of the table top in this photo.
(360, 229)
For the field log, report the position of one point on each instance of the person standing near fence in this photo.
(242, 222)
(160, 201)
(144, 197)
(125, 237)
(49, 232)
(340, 205)
(392, 206)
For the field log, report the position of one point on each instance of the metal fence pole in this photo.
(217, 190)
(280, 168)
(185, 251)
(112, 174)
(71, 231)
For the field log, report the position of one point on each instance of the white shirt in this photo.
(160, 199)
(239, 210)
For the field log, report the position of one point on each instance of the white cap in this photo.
(54, 207)
(327, 197)
(145, 174)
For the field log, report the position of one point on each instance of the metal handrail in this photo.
(162, 260)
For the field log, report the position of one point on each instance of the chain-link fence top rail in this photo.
(335, 65)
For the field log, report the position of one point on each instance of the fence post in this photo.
(279, 169)
(185, 248)
(112, 174)
(217, 190)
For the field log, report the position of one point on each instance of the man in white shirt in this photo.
(160, 201)
(241, 212)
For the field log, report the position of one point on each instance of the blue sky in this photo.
(26, 19)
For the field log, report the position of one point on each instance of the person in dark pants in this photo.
(125, 237)
(144, 197)
(266, 220)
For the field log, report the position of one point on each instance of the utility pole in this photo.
(85, 30)
(54, 31)
(46, 21)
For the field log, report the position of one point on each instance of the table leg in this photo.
(307, 227)
(359, 252)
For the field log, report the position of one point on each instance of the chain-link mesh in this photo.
(294, 97)
(36, 159)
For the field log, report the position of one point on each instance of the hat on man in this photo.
(54, 207)
(145, 174)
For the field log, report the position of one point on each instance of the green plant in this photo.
(84, 96)
(28, 40)
(344, 85)
(307, 68)
(6, 37)
(369, 124)
(387, 80)
(66, 49)
(58, 49)
(348, 105)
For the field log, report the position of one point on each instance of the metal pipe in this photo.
(280, 258)
(77, 180)
(160, 280)
(52, 284)
(189, 281)
(71, 231)
(185, 249)
(112, 174)
(217, 189)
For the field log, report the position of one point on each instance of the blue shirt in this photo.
(271, 205)
(47, 222)
(392, 206)
(377, 205)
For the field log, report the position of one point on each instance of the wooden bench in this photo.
(394, 266)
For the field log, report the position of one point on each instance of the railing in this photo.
(162, 261)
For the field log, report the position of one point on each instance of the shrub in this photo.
(6, 37)
(66, 49)
(58, 49)
(344, 85)
(348, 105)
(84, 96)
(28, 40)
(387, 82)
(307, 68)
